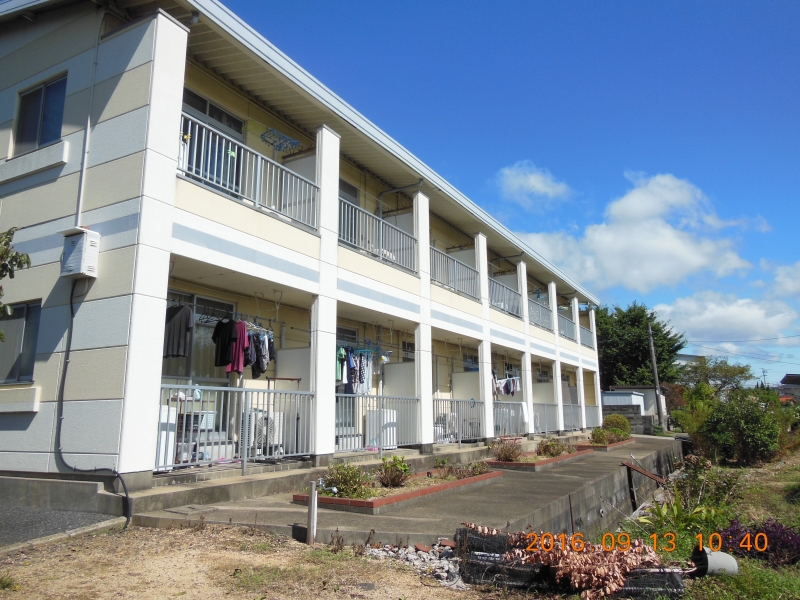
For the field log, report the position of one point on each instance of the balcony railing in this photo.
(593, 416)
(510, 418)
(200, 425)
(566, 328)
(455, 274)
(456, 421)
(539, 315)
(230, 167)
(504, 298)
(572, 417)
(587, 339)
(545, 418)
(365, 422)
(382, 240)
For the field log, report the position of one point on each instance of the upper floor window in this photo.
(18, 350)
(197, 104)
(41, 112)
(349, 192)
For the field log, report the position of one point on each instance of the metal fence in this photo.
(566, 328)
(593, 416)
(201, 425)
(540, 315)
(510, 418)
(545, 418)
(365, 422)
(455, 274)
(229, 166)
(504, 298)
(572, 417)
(456, 421)
(587, 338)
(384, 241)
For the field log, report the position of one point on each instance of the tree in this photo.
(623, 348)
(716, 372)
(10, 261)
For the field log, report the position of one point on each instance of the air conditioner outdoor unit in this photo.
(263, 430)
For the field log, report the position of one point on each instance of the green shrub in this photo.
(599, 436)
(471, 470)
(446, 467)
(702, 483)
(745, 428)
(507, 450)
(553, 447)
(349, 481)
(393, 473)
(615, 421)
(616, 435)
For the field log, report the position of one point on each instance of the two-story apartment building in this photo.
(276, 276)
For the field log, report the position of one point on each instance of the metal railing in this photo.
(566, 328)
(200, 425)
(382, 240)
(229, 166)
(587, 338)
(545, 418)
(510, 418)
(539, 315)
(455, 274)
(365, 422)
(593, 416)
(572, 417)
(456, 421)
(503, 297)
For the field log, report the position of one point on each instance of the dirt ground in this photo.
(209, 562)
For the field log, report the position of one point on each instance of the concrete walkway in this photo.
(589, 494)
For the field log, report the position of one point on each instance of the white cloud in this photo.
(528, 185)
(787, 280)
(651, 237)
(716, 316)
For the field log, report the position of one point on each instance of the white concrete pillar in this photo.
(593, 327)
(526, 375)
(576, 316)
(423, 343)
(581, 397)
(482, 265)
(323, 307)
(485, 346)
(598, 394)
(553, 297)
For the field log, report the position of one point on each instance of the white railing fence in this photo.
(365, 422)
(540, 315)
(504, 298)
(229, 166)
(510, 418)
(587, 338)
(593, 418)
(566, 327)
(201, 425)
(456, 421)
(545, 418)
(384, 241)
(455, 274)
(572, 417)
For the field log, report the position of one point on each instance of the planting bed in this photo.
(605, 447)
(375, 506)
(541, 464)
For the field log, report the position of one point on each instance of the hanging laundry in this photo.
(340, 357)
(349, 368)
(250, 353)
(177, 331)
(238, 348)
(225, 333)
(270, 347)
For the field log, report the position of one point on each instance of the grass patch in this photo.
(754, 582)
(772, 491)
(7, 582)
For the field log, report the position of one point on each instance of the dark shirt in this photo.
(223, 337)
(179, 323)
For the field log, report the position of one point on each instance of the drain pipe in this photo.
(399, 189)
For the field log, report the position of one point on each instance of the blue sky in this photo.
(651, 150)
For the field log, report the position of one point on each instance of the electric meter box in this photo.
(81, 253)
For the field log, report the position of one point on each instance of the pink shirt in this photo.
(238, 347)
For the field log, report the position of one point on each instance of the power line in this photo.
(748, 356)
(783, 337)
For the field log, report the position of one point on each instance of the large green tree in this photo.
(716, 372)
(624, 350)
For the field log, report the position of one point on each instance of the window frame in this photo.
(206, 118)
(18, 351)
(30, 90)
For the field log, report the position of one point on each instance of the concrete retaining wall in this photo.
(56, 494)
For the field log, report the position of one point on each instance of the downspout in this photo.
(399, 189)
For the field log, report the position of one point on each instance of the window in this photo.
(408, 351)
(471, 362)
(195, 102)
(18, 351)
(345, 335)
(41, 111)
(348, 191)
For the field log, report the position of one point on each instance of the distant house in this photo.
(790, 386)
(648, 394)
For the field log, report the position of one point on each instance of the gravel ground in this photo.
(22, 523)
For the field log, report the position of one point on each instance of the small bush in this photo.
(553, 447)
(783, 542)
(349, 481)
(507, 450)
(599, 436)
(393, 473)
(7, 583)
(702, 483)
(616, 435)
(471, 470)
(615, 421)
(446, 467)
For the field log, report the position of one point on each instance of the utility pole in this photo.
(655, 377)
